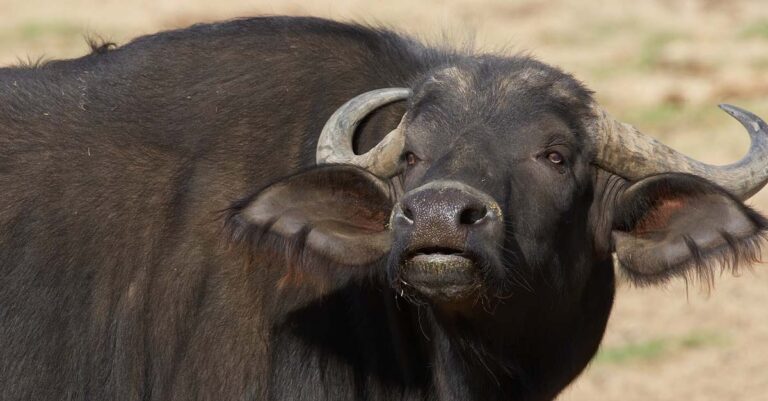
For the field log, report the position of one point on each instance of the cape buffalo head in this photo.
(504, 177)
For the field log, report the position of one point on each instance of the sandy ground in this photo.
(662, 65)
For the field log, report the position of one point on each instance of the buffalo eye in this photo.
(411, 159)
(555, 158)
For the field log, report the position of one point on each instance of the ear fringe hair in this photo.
(704, 264)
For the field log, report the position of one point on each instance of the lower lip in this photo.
(439, 263)
(440, 277)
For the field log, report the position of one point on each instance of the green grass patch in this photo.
(669, 115)
(658, 114)
(643, 351)
(659, 348)
(758, 29)
(760, 63)
(41, 31)
(37, 29)
(652, 48)
(704, 339)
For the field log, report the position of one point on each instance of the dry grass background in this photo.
(662, 65)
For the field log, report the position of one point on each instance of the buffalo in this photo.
(285, 208)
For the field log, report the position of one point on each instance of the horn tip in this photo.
(729, 108)
(746, 118)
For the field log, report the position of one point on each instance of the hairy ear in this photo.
(681, 225)
(320, 219)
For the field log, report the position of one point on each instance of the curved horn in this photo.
(624, 150)
(335, 143)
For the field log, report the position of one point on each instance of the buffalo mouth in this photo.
(440, 274)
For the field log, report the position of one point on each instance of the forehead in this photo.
(498, 95)
(511, 81)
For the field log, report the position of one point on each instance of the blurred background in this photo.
(662, 65)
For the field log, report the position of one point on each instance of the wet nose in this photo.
(446, 207)
(445, 212)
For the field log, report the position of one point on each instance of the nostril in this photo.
(404, 216)
(408, 213)
(472, 215)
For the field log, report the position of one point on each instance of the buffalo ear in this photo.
(337, 213)
(681, 225)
